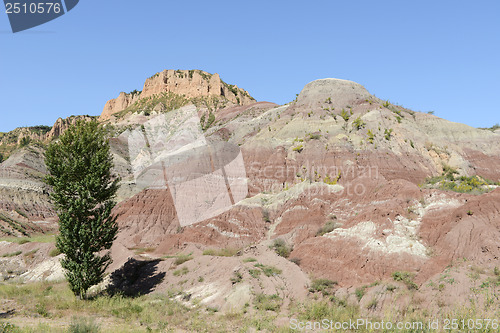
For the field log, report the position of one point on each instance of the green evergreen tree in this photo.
(83, 188)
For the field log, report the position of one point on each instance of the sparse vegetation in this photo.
(157, 312)
(249, 259)
(358, 123)
(493, 128)
(406, 278)
(298, 149)
(40, 238)
(265, 216)
(225, 252)
(267, 302)
(388, 134)
(182, 271)
(450, 181)
(182, 258)
(371, 136)
(314, 136)
(360, 292)
(268, 270)
(281, 248)
(390, 287)
(24, 141)
(135, 92)
(12, 254)
(83, 325)
(323, 286)
(345, 115)
(54, 252)
(255, 273)
(237, 277)
(328, 227)
(14, 224)
(372, 305)
(20, 212)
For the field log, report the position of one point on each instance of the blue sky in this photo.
(424, 55)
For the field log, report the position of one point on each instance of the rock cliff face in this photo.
(62, 125)
(187, 83)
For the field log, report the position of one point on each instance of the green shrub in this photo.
(360, 292)
(267, 302)
(345, 115)
(281, 248)
(249, 260)
(182, 258)
(54, 252)
(41, 309)
(183, 271)
(6, 327)
(388, 134)
(265, 216)
(371, 136)
(298, 149)
(314, 136)
(323, 286)
(269, 270)
(406, 278)
(238, 277)
(255, 273)
(328, 227)
(83, 325)
(372, 305)
(448, 180)
(390, 287)
(24, 141)
(358, 123)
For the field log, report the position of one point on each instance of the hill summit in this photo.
(186, 83)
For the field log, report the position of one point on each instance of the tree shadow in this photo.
(135, 278)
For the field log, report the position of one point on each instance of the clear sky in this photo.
(424, 55)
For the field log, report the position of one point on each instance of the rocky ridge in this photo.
(185, 83)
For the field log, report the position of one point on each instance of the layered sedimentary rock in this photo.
(186, 83)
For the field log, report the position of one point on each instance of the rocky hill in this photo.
(169, 89)
(348, 187)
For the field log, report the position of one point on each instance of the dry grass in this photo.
(51, 307)
(38, 238)
(226, 252)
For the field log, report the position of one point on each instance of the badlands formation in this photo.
(338, 178)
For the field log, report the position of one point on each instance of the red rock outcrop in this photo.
(187, 83)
